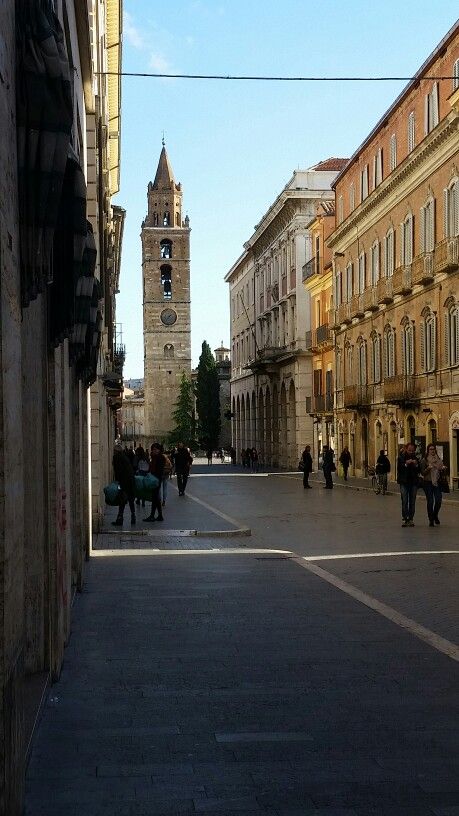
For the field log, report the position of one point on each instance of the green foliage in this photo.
(208, 400)
(183, 415)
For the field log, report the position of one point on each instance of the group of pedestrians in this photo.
(250, 459)
(128, 463)
(413, 472)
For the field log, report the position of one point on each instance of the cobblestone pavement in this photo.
(235, 682)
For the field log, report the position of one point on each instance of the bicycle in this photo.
(378, 481)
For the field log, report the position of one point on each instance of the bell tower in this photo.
(166, 300)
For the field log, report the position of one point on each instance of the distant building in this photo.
(223, 360)
(134, 385)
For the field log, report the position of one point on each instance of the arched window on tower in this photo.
(169, 351)
(167, 219)
(166, 248)
(177, 219)
(166, 281)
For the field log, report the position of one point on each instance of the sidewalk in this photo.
(238, 684)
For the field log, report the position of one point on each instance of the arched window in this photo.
(362, 272)
(432, 432)
(155, 219)
(167, 219)
(166, 281)
(451, 209)
(349, 372)
(338, 368)
(452, 333)
(389, 252)
(166, 248)
(169, 351)
(406, 240)
(428, 341)
(362, 362)
(427, 226)
(349, 282)
(389, 351)
(407, 346)
(376, 357)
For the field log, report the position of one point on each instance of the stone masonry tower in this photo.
(166, 300)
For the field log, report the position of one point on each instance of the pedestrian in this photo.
(254, 459)
(167, 475)
(408, 472)
(124, 475)
(233, 456)
(306, 461)
(432, 469)
(345, 461)
(382, 469)
(209, 456)
(328, 466)
(157, 461)
(143, 466)
(183, 462)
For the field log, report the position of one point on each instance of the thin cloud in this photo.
(131, 32)
(159, 63)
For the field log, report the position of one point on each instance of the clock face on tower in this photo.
(168, 317)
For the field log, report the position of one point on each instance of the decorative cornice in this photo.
(428, 146)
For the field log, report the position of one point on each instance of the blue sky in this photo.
(234, 145)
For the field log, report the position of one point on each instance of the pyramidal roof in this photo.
(164, 176)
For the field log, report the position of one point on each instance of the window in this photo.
(166, 281)
(456, 75)
(349, 373)
(168, 351)
(428, 341)
(431, 109)
(376, 358)
(451, 209)
(166, 219)
(352, 197)
(393, 151)
(389, 252)
(349, 282)
(338, 368)
(177, 219)
(155, 219)
(166, 249)
(375, 263)
(389, 352)
(427, 227)
(337, 293)
(364, 183)
(407, 347)
(362, 273)
(452, 335)
(411, 132)
(378, 168)
(340, 210)
(406, 240)
(362, 363)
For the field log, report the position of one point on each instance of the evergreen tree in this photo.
(208, 399)
(183, 415)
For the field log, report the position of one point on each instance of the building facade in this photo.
(396, 279)
(166, 300)
(271, 382)
(223, 360)
(54, 284)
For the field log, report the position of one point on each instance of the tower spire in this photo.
(164, 178)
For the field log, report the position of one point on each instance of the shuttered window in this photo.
(408, 348)
(411, 132)
(393, 151)
(364, 183)
(431, 109)
(340, 210)
(375, 263)
(389, 352)
(389, 246)
(362, 369)
(452, 336)
(362, 273)
(338, 369)
(456, 75)
(451, 210)
(349, 282)
(406, 240)
(352, 197)
(427, 227)
(428, 342)
(376, 358)
(349, 375)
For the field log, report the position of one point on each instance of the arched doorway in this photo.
(248, 424)
(243, 429)
(268, 427)
(378, 439)
(364, 446)
(261, 426)
(254, 420)
(275, 424)
(292, 453)
(238, 444)
(283, 427)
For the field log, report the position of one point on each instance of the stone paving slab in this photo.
(239, 684)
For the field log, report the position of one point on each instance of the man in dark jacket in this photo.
(345, 460)
(183, 462)
(157, 463)
(306, 459)
(408, 470)
(328, 466)
(124, 475)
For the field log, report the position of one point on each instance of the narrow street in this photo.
(218, 674)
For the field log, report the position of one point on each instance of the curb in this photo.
(240, 531)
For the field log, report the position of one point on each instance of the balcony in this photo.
(322, 404)
(343, 314)
(311, 268)
(119, 356)
(403, 389)
(446, 255)
(401, 280)
(356, 306)
(423, 269)
(357, 396)
(370, 300)
(385, 290)
(324, 335)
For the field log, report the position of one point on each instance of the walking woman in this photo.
(432, 469)
(306, 460)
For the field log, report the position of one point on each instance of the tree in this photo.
(208, 399)
(183, 416)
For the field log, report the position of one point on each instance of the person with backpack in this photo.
(124, 475)
(156, 469)
(183, 462)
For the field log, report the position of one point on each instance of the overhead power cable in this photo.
(233, 78)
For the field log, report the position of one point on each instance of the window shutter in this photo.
(426, 114)
(423, 339)
(435, 105)
(445, 213)
(375, 177)
(402, 243)
(455, 204)
(409, 254)
(446, 339)
(422, 230)
(433, 343)
(456, 75)
(412, 367)
(432, 225)
(392, 353)
(377, 348)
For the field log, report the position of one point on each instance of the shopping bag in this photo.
(113, 494)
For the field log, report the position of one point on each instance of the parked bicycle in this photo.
(378, 480)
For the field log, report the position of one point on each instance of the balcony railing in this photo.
(370, 300)
(356, 306)
(385, 290)
(401, 389)
(423, 268)
(357, 396)
(311, 267)
(401, 280)
(343, 313)
(322, 403)
(323, 334)
(446, 256)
